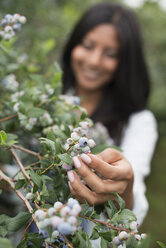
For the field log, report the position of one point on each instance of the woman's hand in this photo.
(116, 176)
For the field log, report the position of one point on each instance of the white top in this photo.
(138, 144)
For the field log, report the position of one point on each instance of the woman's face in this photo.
(96, 59)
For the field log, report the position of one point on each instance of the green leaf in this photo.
(49, 143)
(161, 244)
(95, 234)
(120, 201)
(3, 231)
(19, 184)
(106, 235)
(0, 191)
(131, 242)
(11, 139)
(3, 137)
(58, 146)
(15, 223)
(36, 178)
(65, 158)
(127, 214)
(103, 243)
(35, 112)
(5, 243)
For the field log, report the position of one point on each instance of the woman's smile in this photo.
(95, 60)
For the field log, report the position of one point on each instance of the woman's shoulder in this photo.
(143, 117)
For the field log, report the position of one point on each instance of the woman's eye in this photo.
(112, 55)
(87, 46)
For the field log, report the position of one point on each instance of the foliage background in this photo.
(49, 24)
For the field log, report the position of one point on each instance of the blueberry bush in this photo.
(40, 131)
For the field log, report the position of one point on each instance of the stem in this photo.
(106, 224)
(12, 185)
(27, 151)
(24, 172)
(67, 241)
(26, 229)
(21, 167)
(8, 118)
(52, 165)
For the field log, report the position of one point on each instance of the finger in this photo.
(89, 177)
(80, 191)
(97, 184)
(120, 169)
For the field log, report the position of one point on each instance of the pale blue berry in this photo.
(65, 211)
(29, 196)
(75, 136)
(69, 141)
(17, 27)
(58, 205)
(123, 235)
(51, 211)
(86, 149)
(3, 23)
(116, 241)
(72, 220)
(71, 202)
(91, 143)
(56, 221)
(65, 228)
(83, 141)
(55, 234)
(138, 237)
(143, 235)
(66, 167)
(39, 214)
(47, 222)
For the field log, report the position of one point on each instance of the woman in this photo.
(103, 62)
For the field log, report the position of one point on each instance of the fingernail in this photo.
(70, 176)
(86, 158)
(70, 187)
(76, 161)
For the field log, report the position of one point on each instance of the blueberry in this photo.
(83, 141)
(65, 228)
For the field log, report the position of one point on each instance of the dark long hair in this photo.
(128, 91)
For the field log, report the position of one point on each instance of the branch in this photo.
(12, 185)
(106, 224)
(8, 118)
(67, 241)
(27, 151)
(21, 167)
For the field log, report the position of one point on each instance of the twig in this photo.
(24, 172)
(26, 229)
(12, 185)
(106, 224)
(49, 167)
(28, 151)
(8, 118)
(67, 241)
(21, 167)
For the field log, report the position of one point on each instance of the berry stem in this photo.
(27, 151)
(8, 117)
(106, 224)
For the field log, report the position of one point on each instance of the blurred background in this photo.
(41, 42)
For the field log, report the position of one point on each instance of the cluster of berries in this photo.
(79, 141)
(10, 83)
(71, 100)
(11, 24)
(62, 219)
(123, 236)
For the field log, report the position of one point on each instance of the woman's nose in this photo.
(95, 58)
